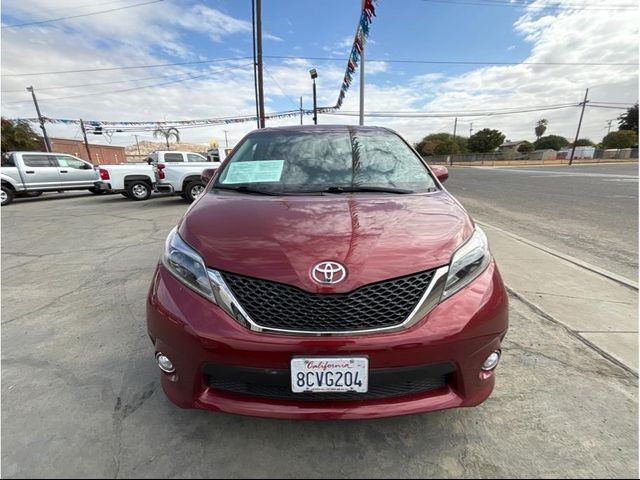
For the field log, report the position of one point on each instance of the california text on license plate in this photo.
(330, 374)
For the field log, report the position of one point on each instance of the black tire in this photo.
(95, 191)
(7, 195)
(138, 190)
(193, 190)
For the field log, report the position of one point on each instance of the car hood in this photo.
(375, 236)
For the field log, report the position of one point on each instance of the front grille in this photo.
(378, 305)
(276, 384)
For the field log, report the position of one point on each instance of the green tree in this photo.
(629, 120)
(541, 127)
(446, 148)
(584, 142)
(19, 136)
(554, 142)
(428, 144)
(485, 140)
(526, 147)
(620, 139)
(167, 134)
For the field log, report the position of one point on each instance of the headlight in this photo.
(187, 265)
(467, 263)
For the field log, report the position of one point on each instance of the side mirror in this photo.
(441, 173)
(207, 174)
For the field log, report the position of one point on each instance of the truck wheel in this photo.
(95, 191)
(32, 194)
(194, 190)
(138, 190)
(6, 196)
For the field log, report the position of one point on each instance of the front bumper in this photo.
(197, 335)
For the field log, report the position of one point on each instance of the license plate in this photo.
(330, 374)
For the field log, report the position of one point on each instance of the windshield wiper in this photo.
(365, 188)
(245, 189)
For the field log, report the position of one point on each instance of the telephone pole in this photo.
(47, 143)
(301, 111)
(455, 127)
(137, 144)
(470, 129)
(361, 75)
(86, 142)
(609, 126)
(226, 141)
(584, 104)
(259, 53)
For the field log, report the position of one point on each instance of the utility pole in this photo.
(361, 75)
(47, 143)
(314, 75)
(301, 111)
(86, 142)
(259, 52)
(584, 104)
(470, 129)
(255, 62)
(609, 126)
(137, 144)
(455, 127)
(226, 141)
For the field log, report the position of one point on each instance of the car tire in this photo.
(138, 190)
(194, 189)
(95, 191)
(6, 196)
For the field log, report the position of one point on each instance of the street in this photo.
(80, 387)
(587, 211)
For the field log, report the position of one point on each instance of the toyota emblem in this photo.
(328, 273)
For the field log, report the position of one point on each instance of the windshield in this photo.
(348, 160)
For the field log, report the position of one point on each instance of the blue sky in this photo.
(185, 30)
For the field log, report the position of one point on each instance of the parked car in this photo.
(135, 181)
(180, 172)
(325, 273)
(31, 173)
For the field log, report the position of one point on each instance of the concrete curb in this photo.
(571, 332)
(587, 266)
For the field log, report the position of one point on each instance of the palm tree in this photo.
(541, 127)
(167, 134)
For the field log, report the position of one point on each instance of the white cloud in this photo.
(135, 36)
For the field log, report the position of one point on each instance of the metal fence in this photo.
(539, 156)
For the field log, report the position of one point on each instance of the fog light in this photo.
(492, 361)
(164, 363)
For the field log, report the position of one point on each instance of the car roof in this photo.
(324, 129)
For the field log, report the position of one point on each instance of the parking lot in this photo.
(81, 397)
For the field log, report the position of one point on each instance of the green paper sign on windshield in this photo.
(254, 172)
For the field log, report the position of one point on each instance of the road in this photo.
(587, 211)
(81, 396)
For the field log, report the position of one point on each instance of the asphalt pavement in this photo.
(587, 211)
(81, 396)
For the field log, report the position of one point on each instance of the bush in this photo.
(554, 142)
(620, 139)
(526, 147)
(485, 140)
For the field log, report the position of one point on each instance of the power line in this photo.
(128, 67)
(449, 115)
(60, 87)
(80, 15)
(452, 62)
(279, 87)
(137, 88)
(531, 6)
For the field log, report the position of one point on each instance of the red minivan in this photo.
(325, 273)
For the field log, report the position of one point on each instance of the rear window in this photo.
(173, 157)
(37, 161)
(7, 160)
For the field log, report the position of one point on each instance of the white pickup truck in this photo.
(135, 181)
(180, 172)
